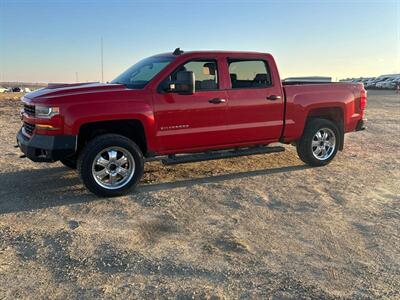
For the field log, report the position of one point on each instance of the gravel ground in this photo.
(265, 226)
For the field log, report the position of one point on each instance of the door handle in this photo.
(273, 97)
(217, 100)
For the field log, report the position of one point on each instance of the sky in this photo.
(59, 41)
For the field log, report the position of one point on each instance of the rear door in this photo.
(255, 101)
(186, 122)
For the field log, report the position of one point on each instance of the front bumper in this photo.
(361, 125)
(46, 148)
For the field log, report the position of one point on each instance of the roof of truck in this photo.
(179, 52)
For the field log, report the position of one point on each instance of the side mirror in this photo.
(184, 83)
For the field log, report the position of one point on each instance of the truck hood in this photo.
(64, 89)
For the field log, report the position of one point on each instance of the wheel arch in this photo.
(130, 128)
(334, 114)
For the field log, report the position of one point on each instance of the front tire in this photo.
(319, 143)
(110, 165)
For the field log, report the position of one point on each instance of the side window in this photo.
(249, 74)
(205, 73)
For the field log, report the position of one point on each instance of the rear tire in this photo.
(319, 143)
(110, 165)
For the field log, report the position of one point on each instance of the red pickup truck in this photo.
(184, 107)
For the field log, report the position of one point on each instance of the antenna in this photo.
(177, 51)
(101, 49)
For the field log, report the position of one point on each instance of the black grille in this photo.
(29, 128)
(29, 109)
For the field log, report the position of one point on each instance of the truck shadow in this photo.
(155, 187)
(28, 190)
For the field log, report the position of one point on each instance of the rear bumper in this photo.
(45, 148)
(361, 125)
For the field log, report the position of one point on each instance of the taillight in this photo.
(363, 99)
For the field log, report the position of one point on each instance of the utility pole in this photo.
(101, 49)
(76, 77)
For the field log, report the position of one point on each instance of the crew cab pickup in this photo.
(183, 107)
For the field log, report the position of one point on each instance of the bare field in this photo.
(10, 96)
(265, 226)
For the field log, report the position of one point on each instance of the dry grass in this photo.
(10, 96)
(258, 227)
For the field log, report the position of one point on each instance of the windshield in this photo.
(137, 76)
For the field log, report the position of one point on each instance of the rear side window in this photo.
(205, 73)
(249, 74)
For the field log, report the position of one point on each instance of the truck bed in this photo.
(303, 98)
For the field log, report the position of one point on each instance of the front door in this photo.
(190, 122)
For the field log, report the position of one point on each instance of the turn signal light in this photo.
(46, 127)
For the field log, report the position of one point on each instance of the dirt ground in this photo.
(265, 226)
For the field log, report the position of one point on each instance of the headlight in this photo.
(46, 111)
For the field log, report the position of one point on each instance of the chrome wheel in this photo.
(323, 144)
(113, 167)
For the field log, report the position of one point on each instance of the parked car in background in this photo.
(16, 89)
(367, 80)
(370, 83)
(384, 83)
(387, 84)
(379, 84)
(375, 82)
(3, 90)
(393, 84)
